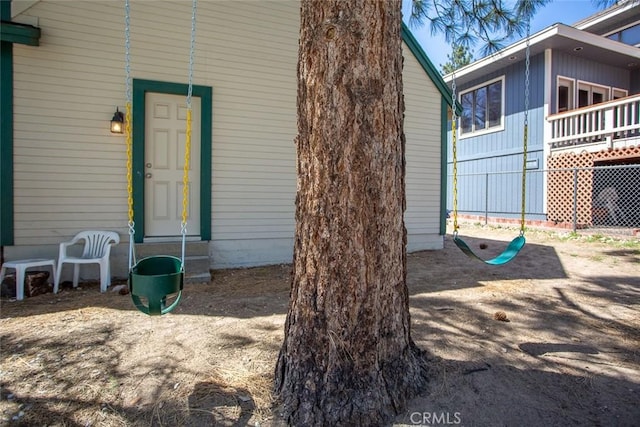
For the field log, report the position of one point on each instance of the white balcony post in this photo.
(609, 125)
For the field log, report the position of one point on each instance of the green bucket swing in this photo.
(156, 282)
(153, 280)
(514, 247)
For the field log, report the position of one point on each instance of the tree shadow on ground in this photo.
(494, 373)
(554, 363)
(540, 349)
(498, 394)
(82, 378)
(632, 254)
(53, 371)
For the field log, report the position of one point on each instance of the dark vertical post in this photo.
(6, 133)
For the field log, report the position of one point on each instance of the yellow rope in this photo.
(127, 128)
(185, 175)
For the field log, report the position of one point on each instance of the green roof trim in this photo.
(19, 33)
(426, 63)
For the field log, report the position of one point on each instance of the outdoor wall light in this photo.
(117, 122)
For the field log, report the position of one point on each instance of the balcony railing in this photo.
(609, 124)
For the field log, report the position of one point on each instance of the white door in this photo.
(165, 139)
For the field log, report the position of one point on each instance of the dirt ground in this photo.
(569, 353)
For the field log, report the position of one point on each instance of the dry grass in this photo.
(81, 358)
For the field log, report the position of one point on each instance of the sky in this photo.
(563, 11)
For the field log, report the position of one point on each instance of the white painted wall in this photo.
(422, 123)
(70, 171)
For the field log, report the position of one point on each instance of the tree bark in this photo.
(347, 356)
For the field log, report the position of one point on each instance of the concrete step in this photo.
(196, 264)
(144, 250)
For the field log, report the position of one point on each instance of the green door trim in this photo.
(6, 134)
(140, 88)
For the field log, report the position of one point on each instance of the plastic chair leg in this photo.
(104, 277)
(56, 282)
(76, 274)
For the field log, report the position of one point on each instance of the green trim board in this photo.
(140, 88)
(444, 121)
(6, 144)
(5, 10)
(6, 134)
(13, 32)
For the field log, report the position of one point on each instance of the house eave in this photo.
(19, 33)
(426, 63)
(556, 37)
(619, 10)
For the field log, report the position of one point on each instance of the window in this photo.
(587, 94)
(618, 93)
(565, 94)
(590, 94)
(630, 35)
(482, 108)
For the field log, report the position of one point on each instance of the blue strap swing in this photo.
(156, 282)
(517, 243)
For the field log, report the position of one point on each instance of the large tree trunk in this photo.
(347, 356)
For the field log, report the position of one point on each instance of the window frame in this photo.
(591, 88)
(487, 130)
(617, 35)
(571, 101)
(615, 91)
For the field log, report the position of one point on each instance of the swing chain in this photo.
(454, 117)
(187, 148)
(526, 128)
(194, 7)
(127, 50)
(129, 141)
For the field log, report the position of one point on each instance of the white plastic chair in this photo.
(97, 248)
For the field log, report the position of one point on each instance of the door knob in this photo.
(147, 175)
(148, 165)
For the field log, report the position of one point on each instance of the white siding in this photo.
(422, 122)
(70, 171)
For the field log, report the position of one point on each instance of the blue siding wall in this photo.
(494, 160)
(497, 193)
(579, 69)
(489, 165)
(635, 82)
